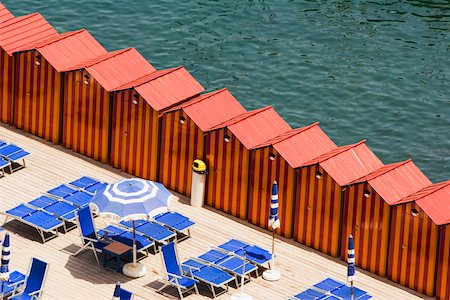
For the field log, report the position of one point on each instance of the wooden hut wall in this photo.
(318, 205)
(134, 146)
(263, 171)
(413, 249)
(37, 100)
(86, 115)
(227, 179)
(443, 272)
(367, 219)
(6, 86)
(180, 145)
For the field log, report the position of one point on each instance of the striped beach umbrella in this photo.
(4, 267)
(274, 222)
(116, 295)
(130, 200)
(351, 264)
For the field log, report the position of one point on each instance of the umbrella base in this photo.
(134, 271)
(241, 296)
(271, 275)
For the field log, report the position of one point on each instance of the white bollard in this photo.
(198, 183)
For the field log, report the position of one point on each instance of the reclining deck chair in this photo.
(174, 273)
(89, 237)
(34, 282)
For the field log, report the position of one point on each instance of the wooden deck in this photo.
(80, 277)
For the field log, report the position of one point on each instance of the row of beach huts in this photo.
(117, 108)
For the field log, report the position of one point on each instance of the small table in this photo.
(116, 250)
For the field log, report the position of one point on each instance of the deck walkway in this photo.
(80, 277)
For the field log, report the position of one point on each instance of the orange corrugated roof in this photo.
(68, 50)
(117, 68)
(348, 163)
(301, 145)
(21, 31)
(5, 14)
(165, 88)
(435, 201)
(256, 127)
(395, 181)
(211, 109)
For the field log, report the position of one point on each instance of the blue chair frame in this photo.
(34, 282)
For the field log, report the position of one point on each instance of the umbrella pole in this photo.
(352, 290)
(134, 246)
(273, 249)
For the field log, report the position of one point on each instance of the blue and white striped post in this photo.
(274, 222)
(351, 264)
(4, 267)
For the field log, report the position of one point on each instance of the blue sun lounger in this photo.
(255, 254)
(213, 276)
(76, 197)
(331, 289)
(34, 281)
(57, 207)
(176, 222)
(15, 280)
(14, 154)
(3, 165)
(88, 184)
(3, 143)
(42, 221)
(126, 237)
(230, 263)
(157, 233)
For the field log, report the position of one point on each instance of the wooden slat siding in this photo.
(443, 273)
(86, 116)
(181, 144)
(263, 172)
(367, 219)
(37, 97)
(413, 249)
(6, 87)
(227, 179)
(134, 146)
(318, 206)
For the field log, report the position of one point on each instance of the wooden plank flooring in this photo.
(80, 277)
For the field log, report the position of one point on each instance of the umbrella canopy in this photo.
(351, 259)
(116, 295)
(132, 199)
(4, 268)
(273, 219)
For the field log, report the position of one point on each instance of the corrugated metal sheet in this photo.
(443, 274)
(211, 109)
(166, 88)
(5, 14)
(348, 163)
(6, 86)
(301, 145)
(21, 31)
(413, 248)
(395, 181)
(435, 201)
(117, 68)
(69, 49)
(256, 127)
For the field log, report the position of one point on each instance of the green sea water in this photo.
(365, 69)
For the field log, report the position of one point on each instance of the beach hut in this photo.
(228, 147)
(367, 211)
(88, 99)
(278, 160)
(136, 124)
(5, 14)
(40, 68)
(16, 33)
(319, 194)
(183, 134)
(420, 241)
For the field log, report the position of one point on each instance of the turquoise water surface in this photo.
(376, 70)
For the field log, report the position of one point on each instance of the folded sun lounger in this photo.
(213, 276)
(14, 154)
(42, 221)
(176, 222)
